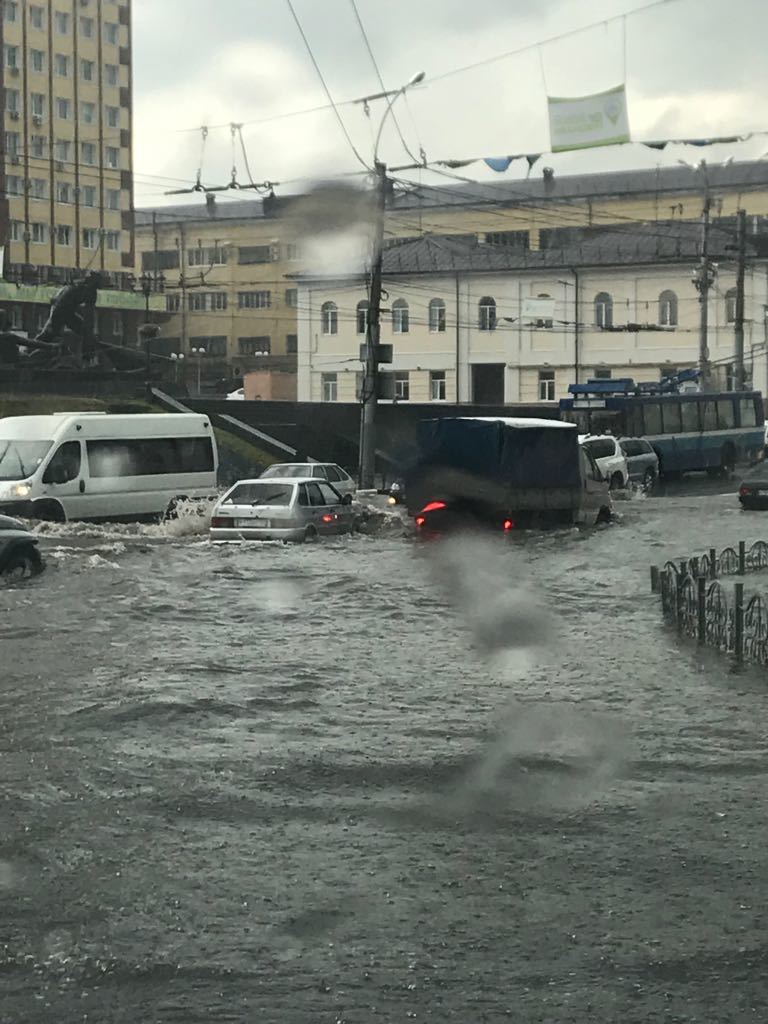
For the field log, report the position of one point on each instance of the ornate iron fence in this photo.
(701, 608)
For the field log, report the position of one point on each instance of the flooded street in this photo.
(332, 783)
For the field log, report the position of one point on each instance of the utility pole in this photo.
(370, 394)
(372, 335)
(741, 236)
(703, 280)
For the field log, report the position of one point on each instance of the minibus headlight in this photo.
(21, 490)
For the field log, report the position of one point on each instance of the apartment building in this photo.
(66, 181)
(476, 322)
(224, 261)
(223, 266)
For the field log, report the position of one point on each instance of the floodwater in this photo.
(369, 781)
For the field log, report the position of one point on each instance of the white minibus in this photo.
(99, 466)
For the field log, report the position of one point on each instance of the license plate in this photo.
(762, 494)
(250, 524)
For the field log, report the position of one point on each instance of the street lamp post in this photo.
(199, 352)
(373, 331)
(145, 283)
(176, 358)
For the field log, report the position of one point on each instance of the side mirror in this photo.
(346, 499)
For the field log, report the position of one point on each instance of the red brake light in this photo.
(328, 518)
(744, 490)
(219, 522)
(433, 506)
(420, 520)
(508, 524)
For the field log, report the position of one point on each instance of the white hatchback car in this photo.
(329, 471)
(610, 459)
(295, 510)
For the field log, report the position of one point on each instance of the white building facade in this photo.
(481, 334)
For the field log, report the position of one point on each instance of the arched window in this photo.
(400, 316)
(362, 316)
(730, 306)
(329, 318)
(486, 309)
(436, 316)
(668, 309)
(545, 321)
(603, 310)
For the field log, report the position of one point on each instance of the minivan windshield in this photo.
(20, 459)
(260, 494)
(600, 449)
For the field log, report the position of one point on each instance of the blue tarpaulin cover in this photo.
(517, 453)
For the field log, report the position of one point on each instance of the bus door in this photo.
(691, 437)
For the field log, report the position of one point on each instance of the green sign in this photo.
(108, 299)
(581, 122)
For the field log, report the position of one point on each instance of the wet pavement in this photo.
(367, 780)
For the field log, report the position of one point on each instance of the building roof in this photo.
(745, 175)
(649, 244)
(202, 212)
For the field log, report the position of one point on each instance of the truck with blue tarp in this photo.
(502, 472)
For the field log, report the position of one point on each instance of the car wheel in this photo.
(727, 461)
(22, 565)
(616, 482)
(48, 512)
(649, 479)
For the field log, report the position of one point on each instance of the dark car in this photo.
(642, 461)
(753, 490)
(19, 557)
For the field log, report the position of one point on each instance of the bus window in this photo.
(633, 418)
(690, 417)
(671, 417)
(708, 416)
(726, 414)
(747, 412)
(652, 414)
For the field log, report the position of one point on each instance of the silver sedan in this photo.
(292, 509)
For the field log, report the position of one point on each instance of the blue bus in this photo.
(690, 430)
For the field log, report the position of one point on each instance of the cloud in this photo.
(691, 69)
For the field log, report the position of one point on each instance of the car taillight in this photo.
(744, 490)
(328, 518)
(420, 520)
(433, 506)
(508, 524)
(219, 521)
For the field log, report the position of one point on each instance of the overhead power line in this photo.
(325, 84)
(335, 104)
(550, 39)
(380, 78)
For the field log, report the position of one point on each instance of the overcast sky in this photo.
(693, 68)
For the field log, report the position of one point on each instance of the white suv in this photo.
(610, 459)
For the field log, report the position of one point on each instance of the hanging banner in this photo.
(581, 122)
(538, 309)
